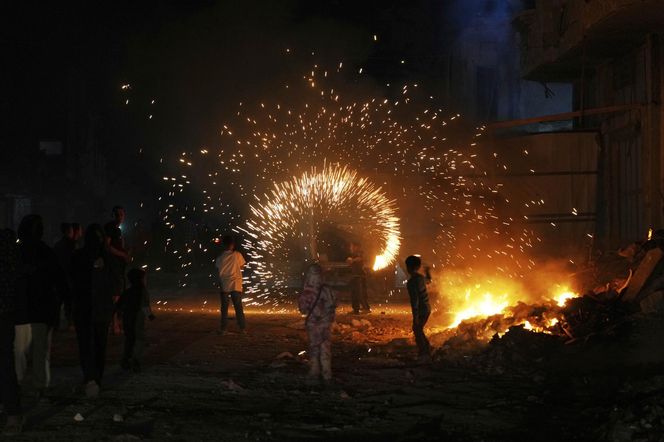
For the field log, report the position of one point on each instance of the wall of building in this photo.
(612, 52)
(484, 68)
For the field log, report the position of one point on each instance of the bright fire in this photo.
(483, 305)
(562, 297)
(495, 298)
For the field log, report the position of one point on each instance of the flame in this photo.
(563, 296)
(380, 263)
(499, 296)
(487, 305)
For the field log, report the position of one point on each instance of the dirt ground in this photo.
(198, 385)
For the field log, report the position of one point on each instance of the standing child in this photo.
(134, 304)
(419, 302)
(230, 264)
(318, 302)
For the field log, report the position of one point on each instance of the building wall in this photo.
(484, 71)
(612, 52)
(631, 165)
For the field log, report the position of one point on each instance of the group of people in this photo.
(81, 282)
(318, 302)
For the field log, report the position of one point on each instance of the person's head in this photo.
(31, 228)
(94, 240)
(313, 276)
(413, 264)
(137, 277)
(77, 231)
(118, 213)
(228, 242)
(67, 230)
(355, 247)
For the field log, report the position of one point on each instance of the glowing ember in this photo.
(382, 261)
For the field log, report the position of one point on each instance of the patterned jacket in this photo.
(321, 311)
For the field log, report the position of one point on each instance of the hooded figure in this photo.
(42, 283)
(9, 390)
(92, 305)
(318, 302)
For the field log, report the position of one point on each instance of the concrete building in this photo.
(610, 51)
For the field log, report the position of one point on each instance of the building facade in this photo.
(610, 51)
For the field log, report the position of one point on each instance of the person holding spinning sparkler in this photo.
(358, 283)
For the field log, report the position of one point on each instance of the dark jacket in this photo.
(116, 264)
(134, 300)
(64, 249)
(43, 281)
(92, 298)
(419, 298)
(8, 270)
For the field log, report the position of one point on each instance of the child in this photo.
(134, 304)
(230, 264)
(419, 302)
(318, 302)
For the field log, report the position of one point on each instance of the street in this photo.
(198, 385)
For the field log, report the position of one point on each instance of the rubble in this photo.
(643, 274)
(230, 385)
(653, 303)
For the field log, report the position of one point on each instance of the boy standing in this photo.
(134, 304)
(419, 302)
(230, 264)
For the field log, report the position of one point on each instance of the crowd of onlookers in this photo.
(78, 282)
(81, 281)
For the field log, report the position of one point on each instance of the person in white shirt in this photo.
(230, 264)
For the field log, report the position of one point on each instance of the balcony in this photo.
(559, 37)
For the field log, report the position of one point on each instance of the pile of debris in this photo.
(525, 335)
(641, 415)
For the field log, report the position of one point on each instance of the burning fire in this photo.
(486, 305)
(499, 297)
(562, 297)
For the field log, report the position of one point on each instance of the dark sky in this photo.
(195, 57)
(64, 62)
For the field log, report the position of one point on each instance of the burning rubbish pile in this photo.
(494, 336)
